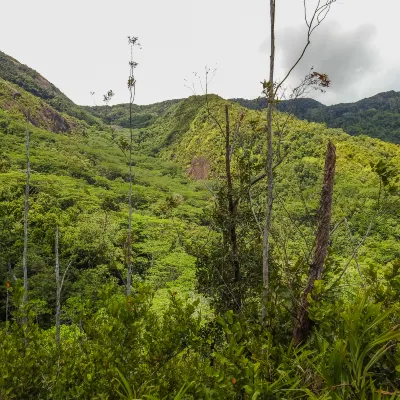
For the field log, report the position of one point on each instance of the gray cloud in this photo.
(350, 58)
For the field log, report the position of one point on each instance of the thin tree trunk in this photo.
(26, 209)
(129, 274)
(133, 41)
(302, 325)
(269, 169)
(232, 213)
(58, 299)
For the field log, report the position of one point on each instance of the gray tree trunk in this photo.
(269, 170)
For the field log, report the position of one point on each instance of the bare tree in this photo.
(133, 41)
(271, 89)
(302, 324)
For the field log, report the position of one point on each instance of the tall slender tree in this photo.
(133, 41)
(271, 89)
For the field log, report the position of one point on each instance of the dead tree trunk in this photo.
(26, 209)
(58, 297)
(232, 213)
(302, 324)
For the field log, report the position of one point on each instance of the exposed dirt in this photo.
(199, 168)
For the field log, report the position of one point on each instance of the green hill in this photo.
(119, 114)
(20, 104)
(303, 143)
(13, 71)
(377, 116)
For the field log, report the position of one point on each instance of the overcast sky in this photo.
(81, 46)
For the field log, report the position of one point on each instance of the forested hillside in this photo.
(190, 327)
(377, 116)
(119, 114)
(13, 71)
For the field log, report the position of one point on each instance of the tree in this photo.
(302, 325)
(106, 99)
(133, 41)
(270, 89)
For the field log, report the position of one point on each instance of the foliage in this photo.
(144, 116)
(377, 116)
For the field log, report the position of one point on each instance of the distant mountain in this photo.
(28, 79)
(20, 103)
(377, 116)
(144, 115)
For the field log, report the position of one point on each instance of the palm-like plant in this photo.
(363, 341)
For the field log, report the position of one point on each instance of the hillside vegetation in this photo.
(13, 71)
(119, 114)
(191, 328)
(377, 116)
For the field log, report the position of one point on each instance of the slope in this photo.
(370, 210)
(80, 183)
(21, 104)
(13, 71)
(144, 115)
(377, 116)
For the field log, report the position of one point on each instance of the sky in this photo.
(81, 46)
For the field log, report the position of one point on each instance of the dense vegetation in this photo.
(30, 80)
(119, 114)
(377, 116)
(191, 328)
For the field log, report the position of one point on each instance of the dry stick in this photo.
(317, 12)
(302, 327)
(26, 209)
